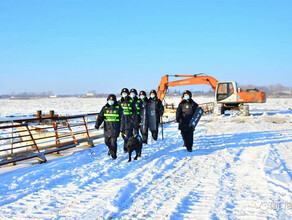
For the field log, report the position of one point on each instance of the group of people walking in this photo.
(129, 116)
(134, 114)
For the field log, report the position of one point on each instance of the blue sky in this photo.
(73, 46)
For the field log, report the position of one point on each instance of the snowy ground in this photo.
(241, 168)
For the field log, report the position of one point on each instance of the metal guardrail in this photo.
(208, 107)
(28, 138)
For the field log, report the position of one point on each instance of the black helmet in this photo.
(142, 93)
(134, 91)
(112, 96)
(187, 92)
(153, 91)
(125, 90)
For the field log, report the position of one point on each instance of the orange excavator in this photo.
(227, 94)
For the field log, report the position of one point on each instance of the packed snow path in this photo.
(240, 168)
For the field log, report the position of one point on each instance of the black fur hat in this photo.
(142, 93)
(125, 90)
(187, 92)
(134, 91)
(112, 96)
(153, 91)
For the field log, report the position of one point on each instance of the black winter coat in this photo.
(144, 117)
(159, 108)
(112, 116)
(184, 114)
(129, 113)
(138, 106)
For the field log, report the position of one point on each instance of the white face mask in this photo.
(152, 96)
(124, 95)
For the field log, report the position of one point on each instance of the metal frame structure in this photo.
(208, 107)
(35, 137)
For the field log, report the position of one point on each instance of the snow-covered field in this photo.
(241, 168)
(74, 106)
(71, 106)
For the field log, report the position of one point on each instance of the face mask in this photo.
(124, 95)
(133, 96)
(110, 102)
(142, 96)
(152, 96)
(186, 97)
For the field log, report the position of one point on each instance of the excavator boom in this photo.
(190, 80)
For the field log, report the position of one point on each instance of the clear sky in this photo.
(73, 46)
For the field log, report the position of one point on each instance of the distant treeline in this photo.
(271, 91)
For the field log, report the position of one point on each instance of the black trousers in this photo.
(155, 133)
(188, 137)
(126, 135)
(144, 135)
(111, 143)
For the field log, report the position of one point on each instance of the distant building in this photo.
(89, 95)
(285, 93)
(19, 98)
(53, 96)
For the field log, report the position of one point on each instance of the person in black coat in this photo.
(138, 106)
(112, 116)
(129, 115)
(154, 107)
(144, 116)
(184, 113)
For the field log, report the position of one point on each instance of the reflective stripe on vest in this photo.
(127, 109)
(137, 107)
(111, 115)
(112, 119)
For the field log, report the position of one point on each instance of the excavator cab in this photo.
(226, 92)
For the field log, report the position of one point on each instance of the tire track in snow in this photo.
(249, 195)
(71, 196)
(155, 194)
(166, 183)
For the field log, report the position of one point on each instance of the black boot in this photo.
(113, 155)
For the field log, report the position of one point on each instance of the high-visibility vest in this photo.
(112, 115)
(127, 108)
(138, 106)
